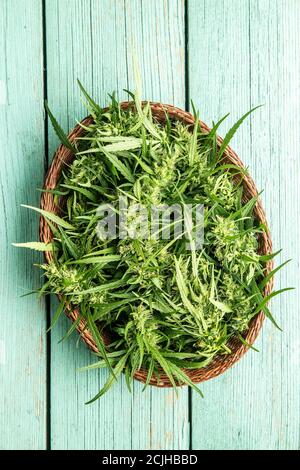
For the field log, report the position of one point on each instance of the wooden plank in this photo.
(242, 54)
(95, 41)
(274, 28)
(23, 320)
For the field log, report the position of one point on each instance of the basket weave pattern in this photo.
(221, 362)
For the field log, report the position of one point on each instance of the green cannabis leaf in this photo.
(163, 306)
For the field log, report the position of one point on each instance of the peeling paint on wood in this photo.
(240, 53)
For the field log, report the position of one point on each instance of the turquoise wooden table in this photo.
(227, 55)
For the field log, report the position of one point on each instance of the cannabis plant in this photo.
(166, 304)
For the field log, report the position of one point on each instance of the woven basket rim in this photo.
(220, 363)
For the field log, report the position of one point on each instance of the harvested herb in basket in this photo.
(167, 305)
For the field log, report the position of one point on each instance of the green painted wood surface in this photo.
(249, 55)
(96, 42)
(22, 340)
(240, 53)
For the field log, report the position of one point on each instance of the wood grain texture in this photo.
(23, 320)
(241, 53)
(249, 55)
(95, 41)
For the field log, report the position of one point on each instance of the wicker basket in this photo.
(220, 363)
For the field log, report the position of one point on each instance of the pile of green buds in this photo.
(166, 306)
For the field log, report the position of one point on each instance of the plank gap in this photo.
(186, 55)
(47, 300)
